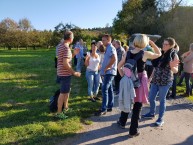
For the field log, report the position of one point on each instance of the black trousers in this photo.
(117, 80)
(135, 118)
(123, 118)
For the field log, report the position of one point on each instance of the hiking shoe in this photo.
(100, 113)
(109, 110)
(148, 116)
(61, 116)
(159, 122)
(134, 135)
(120, 125)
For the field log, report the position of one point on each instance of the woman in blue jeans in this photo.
(92, 75)
(162, 79)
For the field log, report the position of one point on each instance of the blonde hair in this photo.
(141, 41)
(191, 47)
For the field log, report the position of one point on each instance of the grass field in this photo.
(27, 81)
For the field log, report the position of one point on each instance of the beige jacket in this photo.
(188, 63)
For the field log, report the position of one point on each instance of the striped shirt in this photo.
(63, 52)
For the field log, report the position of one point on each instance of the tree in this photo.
(25, 24)
(8, 24)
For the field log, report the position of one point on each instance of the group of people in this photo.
(107, 62)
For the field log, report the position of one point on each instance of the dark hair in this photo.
(171, 41)
(93, 43)
(67, 35)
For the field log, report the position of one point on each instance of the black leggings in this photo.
(135, 118)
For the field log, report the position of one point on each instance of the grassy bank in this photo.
(27, 81)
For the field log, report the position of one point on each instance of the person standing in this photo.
(80, 55)
(120, 53)
(64, 72)
(108, 71)
(92, 74)
(140, 42)
(188, 70)
(165, 67)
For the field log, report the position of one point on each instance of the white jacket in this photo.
(126, 94)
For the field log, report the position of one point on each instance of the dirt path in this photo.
(177, 130)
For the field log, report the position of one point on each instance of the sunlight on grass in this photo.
(27, 82)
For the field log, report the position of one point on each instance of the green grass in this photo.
(27, 81)
(181, 90)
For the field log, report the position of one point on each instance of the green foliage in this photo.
(27, 82)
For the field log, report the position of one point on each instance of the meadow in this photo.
(27, 81)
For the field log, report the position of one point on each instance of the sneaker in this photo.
(159, 122)
(134, 135)
(109, 110)
(120, 125)
(67, 110)
(96, 98)
(100, 113)
(92, 99)
(148, 116)
(61, 116)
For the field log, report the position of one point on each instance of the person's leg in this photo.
(174, 87)
(90, 81)
(187, 81)
(66, 96)
(64, 92)
(123, 118)
(135, 118)
(181, 79)
(96, 83)
(152, 98)
(107, 83)
(60, 102)
(163, 90)
(110, 95)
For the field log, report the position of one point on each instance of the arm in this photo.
(151, 55)
(87, 60)
(69, 67)
(112, 61)
(174, 64)
(120, 65)
(188, 58)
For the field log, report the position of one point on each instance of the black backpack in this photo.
(54, 101)
(131, 63)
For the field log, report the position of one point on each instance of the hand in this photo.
(77, 74)
(106, 69)
(76, 51)
(174, 63)
(151, 42)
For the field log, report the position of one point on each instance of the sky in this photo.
(46, 14)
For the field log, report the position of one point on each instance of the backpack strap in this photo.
(139, 55)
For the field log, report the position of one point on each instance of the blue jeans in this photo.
(92, 78)
(107, 92)
(188, 84)
(163, 90)
(79, 64)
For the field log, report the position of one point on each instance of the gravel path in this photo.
(177, 130)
